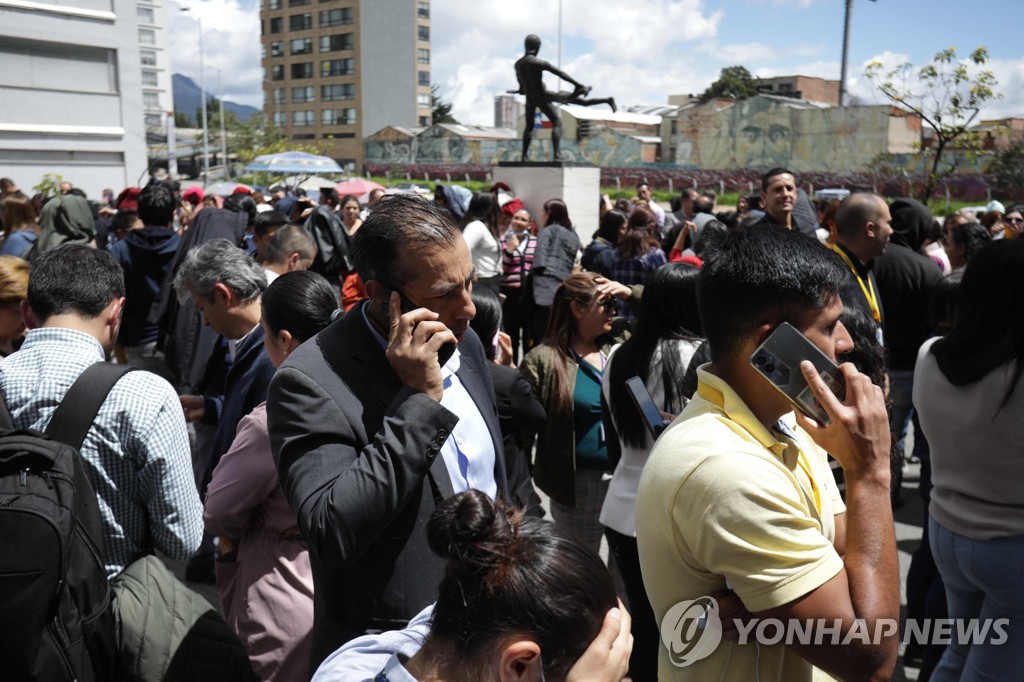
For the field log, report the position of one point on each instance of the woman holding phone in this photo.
(663, 351)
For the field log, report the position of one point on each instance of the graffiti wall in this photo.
(760, 133)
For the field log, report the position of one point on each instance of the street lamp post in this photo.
(223, 137)
(202, 88)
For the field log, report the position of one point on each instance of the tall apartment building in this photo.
(507, 110)
(71, 96)
(340, 70)
(155, 62)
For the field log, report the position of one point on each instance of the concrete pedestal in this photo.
(578, 186)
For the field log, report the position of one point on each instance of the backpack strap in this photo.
(6, 423)
(80, 405)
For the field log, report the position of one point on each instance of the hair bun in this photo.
(471, 530)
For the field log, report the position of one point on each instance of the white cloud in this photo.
(638, 51)
(230, 43)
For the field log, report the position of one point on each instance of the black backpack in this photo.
(333, 243)
(56, 621)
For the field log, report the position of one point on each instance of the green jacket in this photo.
(554, 469)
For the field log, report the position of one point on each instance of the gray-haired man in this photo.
(227, 286)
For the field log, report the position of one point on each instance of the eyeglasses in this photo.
(1015, 221)
(607, 305)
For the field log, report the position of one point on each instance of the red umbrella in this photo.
(356, 186)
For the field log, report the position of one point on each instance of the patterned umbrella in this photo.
(294, 162)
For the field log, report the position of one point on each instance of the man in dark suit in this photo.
(382, 416)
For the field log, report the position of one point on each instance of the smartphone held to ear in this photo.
(778, 360)
(379, 310)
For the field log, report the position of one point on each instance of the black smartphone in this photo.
(380, 312)
(778, 360)
(649, 412)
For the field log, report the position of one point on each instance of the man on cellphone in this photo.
(385, 413)
(737, 498)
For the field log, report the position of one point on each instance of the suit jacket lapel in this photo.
(245, 353)
(353, 352)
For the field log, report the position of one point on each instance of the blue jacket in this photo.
(145, 256)
(246, 387)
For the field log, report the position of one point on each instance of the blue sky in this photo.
(641, 51)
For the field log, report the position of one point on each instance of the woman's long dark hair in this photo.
(639, 238)
(990, 330)
(668, 314)
(513, 574)
(611, 225)
(558, 213)
(299, 302)
(483, 207)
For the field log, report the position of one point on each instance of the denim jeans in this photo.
(985, 580)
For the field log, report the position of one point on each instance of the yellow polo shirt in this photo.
(725, 503)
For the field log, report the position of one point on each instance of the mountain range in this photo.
(188, 95)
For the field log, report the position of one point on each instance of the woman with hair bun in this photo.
(264, 576)
(521, 601)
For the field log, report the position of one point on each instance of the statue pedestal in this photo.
(534, 182)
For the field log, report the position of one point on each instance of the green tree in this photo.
(734, 82)
(441, 111)
(49, 184)
(947, 94)
(1006, 170)
(181, 119)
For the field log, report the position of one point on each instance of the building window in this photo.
(423, 55)
(300, 22)
(147, 57)
(424, 121)
(303, 119)
(337, 67)
(303, 95)
(277, 72)
(149, 78)
(278, 96)
(151, 100)
(335, 17)
(147, 36)
(279, 119)
(423, 100)
(336, 93)
(302, 46)
(423, 32)
(277, 25)
(424, 78)
(338, 117)
(423, 10)
(154, 121)
(335, 43)
(277, 49)
(274, 4)
(146, 15)
(302, 70)
(298, 3)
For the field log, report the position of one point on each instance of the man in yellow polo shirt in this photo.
(737, 501)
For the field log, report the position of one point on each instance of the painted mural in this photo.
(760, 133)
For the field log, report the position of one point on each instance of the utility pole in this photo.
(846, 50)
(223, 137)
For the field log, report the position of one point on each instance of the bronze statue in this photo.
(530, 73)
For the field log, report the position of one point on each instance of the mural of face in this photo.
(763, 138)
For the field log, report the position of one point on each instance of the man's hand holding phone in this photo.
(414, 340)
(858, 435)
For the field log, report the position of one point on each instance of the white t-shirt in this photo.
(483, 248)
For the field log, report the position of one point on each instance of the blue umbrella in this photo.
(294, 162)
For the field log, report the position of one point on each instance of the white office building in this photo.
(71, 90)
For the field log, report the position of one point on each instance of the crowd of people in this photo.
(396, 435)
